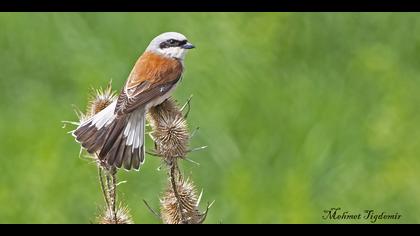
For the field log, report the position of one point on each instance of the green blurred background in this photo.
(301, 112)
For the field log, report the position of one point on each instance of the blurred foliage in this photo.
(301, 112)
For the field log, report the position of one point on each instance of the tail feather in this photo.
(138, 158)
(120, 123)
(127, 161)
(119, 157)
(135, 161)
(112, 155)
(84, 132)
(125, 156)
(101, 138)
(119, 141)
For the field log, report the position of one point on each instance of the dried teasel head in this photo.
(184, 211)
(169, 130)
(121, 216)
(98, 100)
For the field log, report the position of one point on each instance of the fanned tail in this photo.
(117, 140)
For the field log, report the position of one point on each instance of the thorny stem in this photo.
(111, 189)
(103, 188)
(114, 194)
(108, 188)
(174, 168)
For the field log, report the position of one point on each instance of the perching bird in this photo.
(116, 134)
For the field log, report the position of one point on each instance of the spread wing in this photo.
(152, 76)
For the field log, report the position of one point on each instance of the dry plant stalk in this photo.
(179, 204)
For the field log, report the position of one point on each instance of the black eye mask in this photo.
(172, 43)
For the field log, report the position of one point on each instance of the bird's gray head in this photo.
(170, 44)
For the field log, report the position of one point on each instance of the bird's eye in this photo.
(172, 41)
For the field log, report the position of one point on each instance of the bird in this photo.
(117, 133)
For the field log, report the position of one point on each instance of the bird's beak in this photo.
(188, 46)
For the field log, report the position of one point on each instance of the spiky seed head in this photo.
(122, 216)
(100, 99)
(169, 130)
(187, 210)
